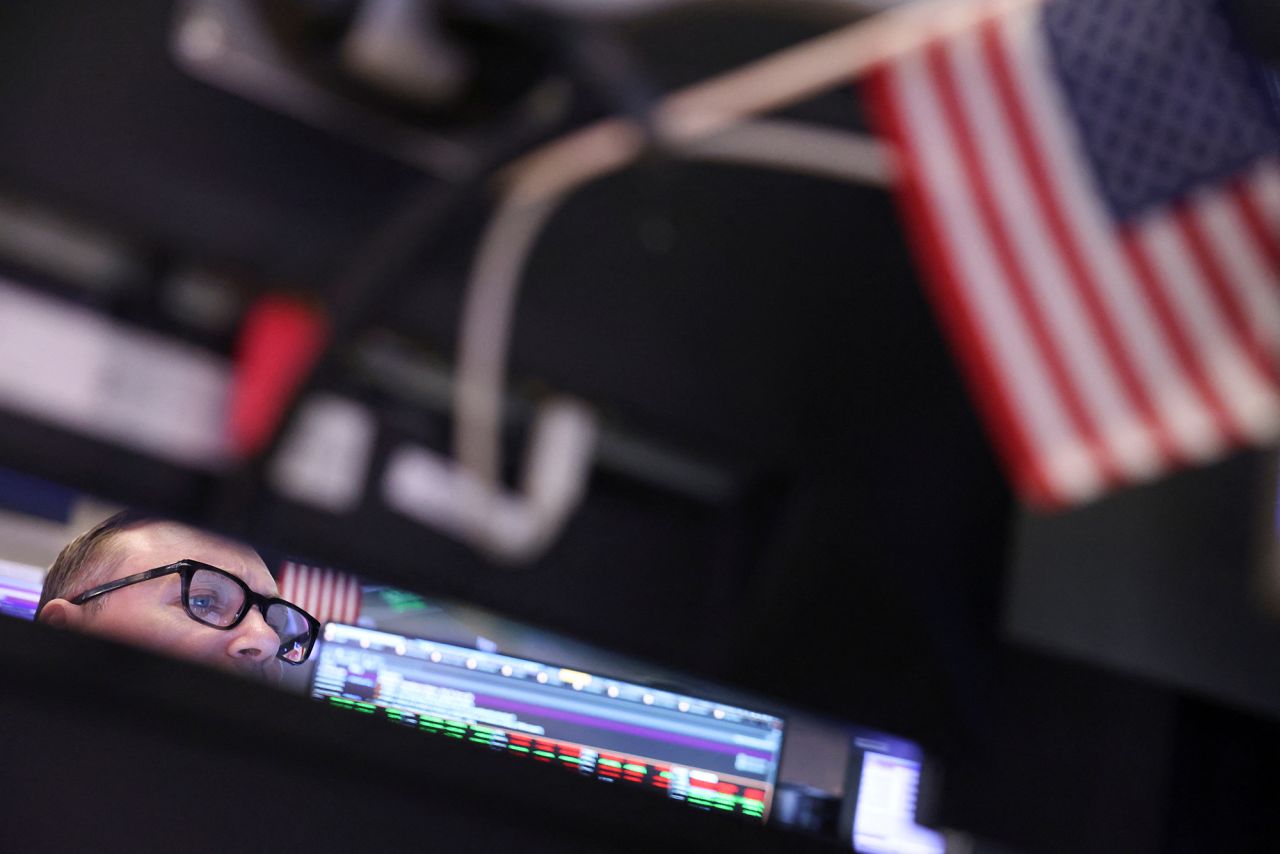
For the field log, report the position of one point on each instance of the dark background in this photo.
(1104, 680)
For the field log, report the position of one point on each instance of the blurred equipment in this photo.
(807, 808)
(1194, 552)
(882, 795)
(398, 45)
(383, 73)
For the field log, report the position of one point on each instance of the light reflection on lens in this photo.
(214, 598)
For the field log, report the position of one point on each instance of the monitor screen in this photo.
(881, 791)
(20, 587)
(709, 754)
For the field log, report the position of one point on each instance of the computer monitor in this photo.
(709, 754)
(882, 789)
(20, 587)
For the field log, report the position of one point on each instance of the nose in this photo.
(253, 642)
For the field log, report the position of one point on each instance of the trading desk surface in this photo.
(110, 748)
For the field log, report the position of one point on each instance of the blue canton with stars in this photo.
(1163, 97)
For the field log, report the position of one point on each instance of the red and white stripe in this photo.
(328, 595)
(1100, 355)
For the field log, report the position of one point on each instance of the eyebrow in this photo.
(239, 572)
(271, 593)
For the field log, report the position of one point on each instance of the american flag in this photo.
(1093, 190)
(327, 595)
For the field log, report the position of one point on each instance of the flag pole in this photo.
(724, 100)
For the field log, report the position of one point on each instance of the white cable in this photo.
(485, 332)
(557, 461)
(707, 120)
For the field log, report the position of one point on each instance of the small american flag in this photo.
(1093, 190)
(327, 595)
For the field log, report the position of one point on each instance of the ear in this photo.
(61, 614)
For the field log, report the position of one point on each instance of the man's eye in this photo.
(204, 602)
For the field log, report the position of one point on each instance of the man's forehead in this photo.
(161, 543)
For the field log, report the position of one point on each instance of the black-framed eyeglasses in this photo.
(219, 599)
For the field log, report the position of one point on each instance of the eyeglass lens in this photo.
(292, 627)
(217, 599)
(214, 598)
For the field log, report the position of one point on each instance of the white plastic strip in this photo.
(83, 372)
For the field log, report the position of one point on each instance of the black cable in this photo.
(596, 62)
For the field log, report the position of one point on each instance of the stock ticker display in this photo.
(710, 755)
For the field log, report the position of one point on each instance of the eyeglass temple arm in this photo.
(94, 592)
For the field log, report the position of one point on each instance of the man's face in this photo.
(151, 614)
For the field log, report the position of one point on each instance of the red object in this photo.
(280, 340)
